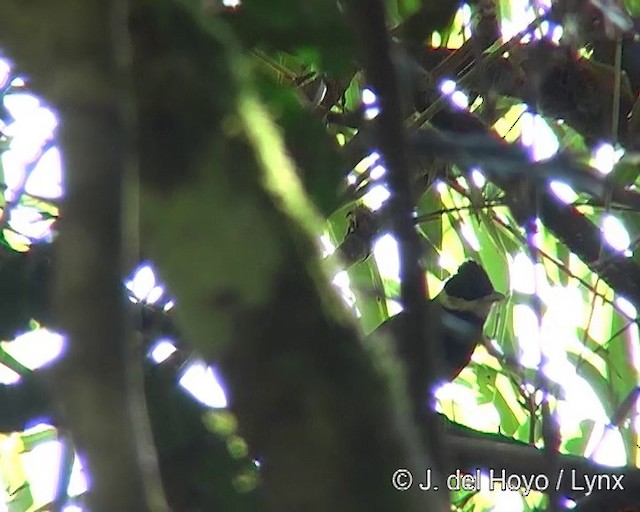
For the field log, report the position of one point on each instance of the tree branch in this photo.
(73, 60)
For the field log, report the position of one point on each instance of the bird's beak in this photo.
(495, 297)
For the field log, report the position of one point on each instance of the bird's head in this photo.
(470, 291)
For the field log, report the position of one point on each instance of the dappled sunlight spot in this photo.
(376, 197)
(556, 34)
(452, 396)
(495, 345)
(327, 247)
(29, 222)
(507, 501)
(457, 98)
(203, 383)
(537, 137)
(231, 3)
(456, 392)
(559, 370)
(14, 173)
(38, 426)
(476, 104)
(460, 99)
(491, 495)
(565, 312)
(21, 104)
(600, 332)
(143, 281)
(42, 465)
(521, 15)
(28, 133)
(522, 272)
(606, 446)
(385, 250)
(537, 240)
(542, 30)
(508, 126)
(550, 31)
(615, 234)
(377, 172)
(45, 180)
(502, 217)
(526, 329)
(5, 70)
(470, 236)
(368, 96)
(460, 403)
(465, 18)
(568, 503)
(393, 307)
(580, 401)
(448, 262)
(371, 113)
(342, 282)
(458, 33)
(462, 182)
(8, 376)
(632, 331)
(78, 483)
(478, 178)
(447, 87)
(605, 157)
(370, 101)
(563, 191)
(627, 307)
(143, 285)
(367, 162)
(636, 422)
(363, 166)
(36, 348)
(155, 294)
(532, 391)
(162, 350)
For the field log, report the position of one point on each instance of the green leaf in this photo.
(365, 281)
(511, 413)
(577, 445)
(293, 26)
(486, 381)
(632, 6)
(21, 499)
(595, 379)
(625, 173)
(320, 164)
(431, 230)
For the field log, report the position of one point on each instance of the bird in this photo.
(463, 307)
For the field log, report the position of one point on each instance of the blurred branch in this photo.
(267, 318)
(416, 349)
(76, 63)
(473, 449)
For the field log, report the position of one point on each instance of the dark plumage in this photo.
(463, 307)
